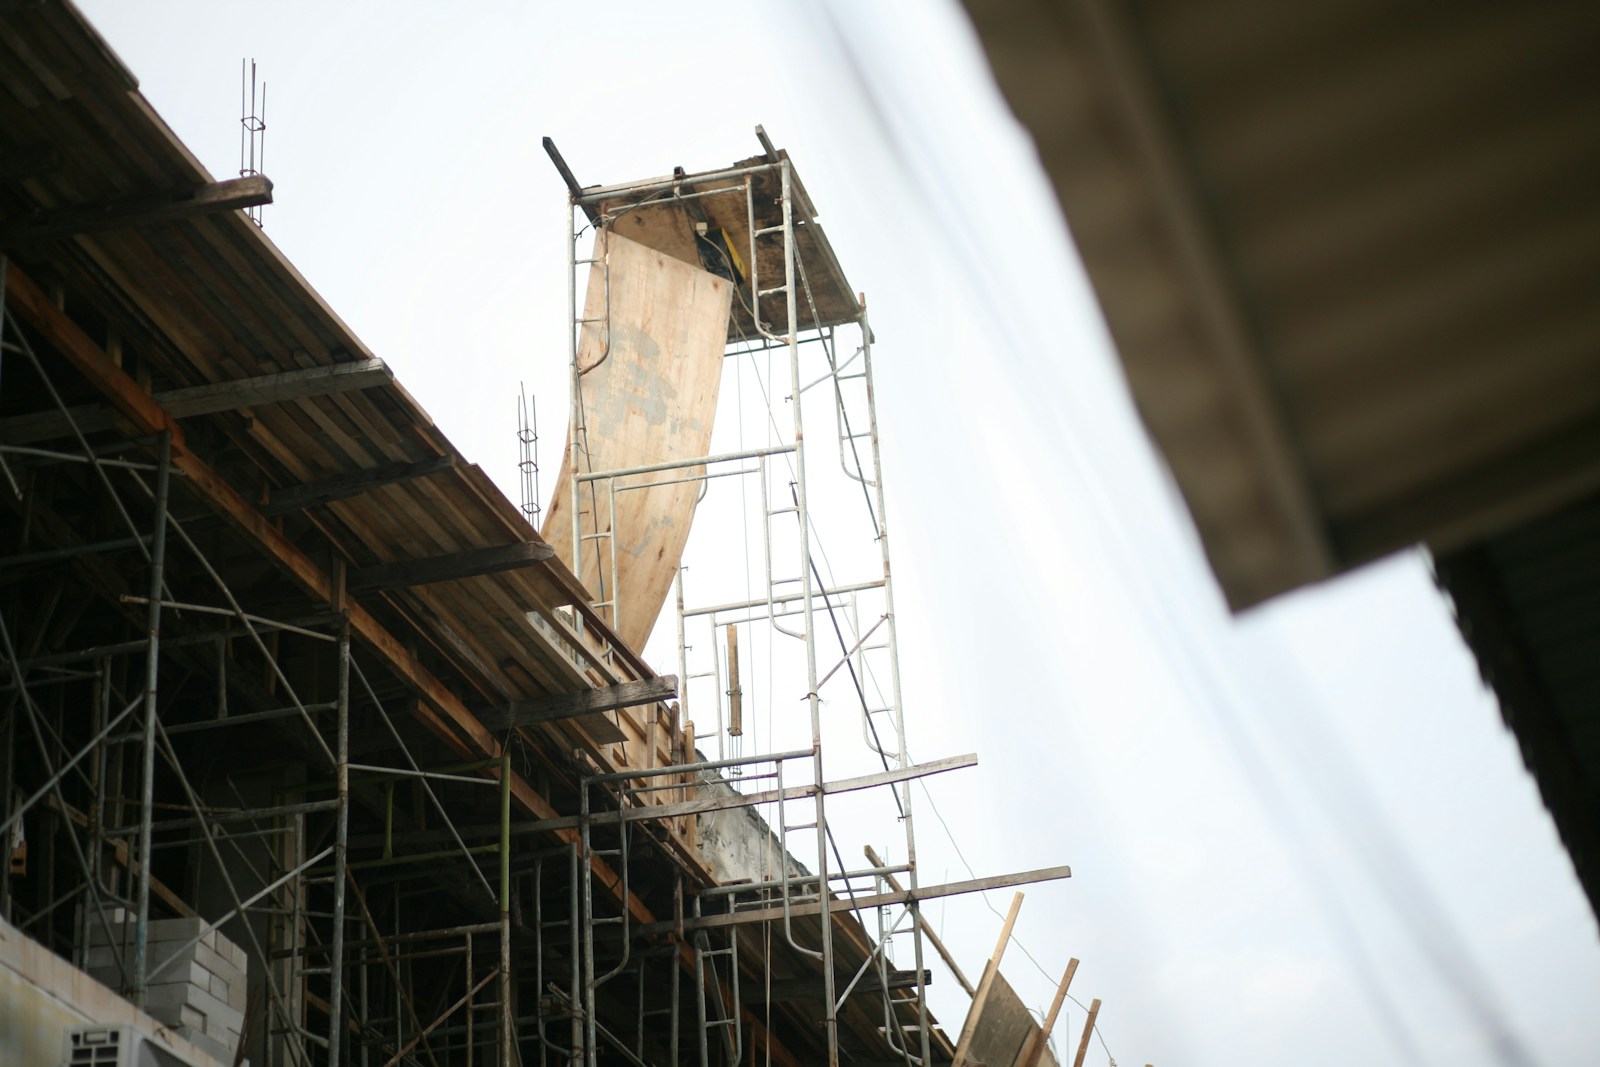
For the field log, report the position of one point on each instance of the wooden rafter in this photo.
(167, 206)
(344, 486)
(453, 566)
(583, 702)
(206, 399)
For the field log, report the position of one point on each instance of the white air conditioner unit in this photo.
(116, 1046)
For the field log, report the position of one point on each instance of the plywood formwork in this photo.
(650, 364)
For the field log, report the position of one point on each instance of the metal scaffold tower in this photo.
(824, 633)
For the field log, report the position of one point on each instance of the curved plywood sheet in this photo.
(652, 367)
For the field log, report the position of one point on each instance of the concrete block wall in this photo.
(197, 985)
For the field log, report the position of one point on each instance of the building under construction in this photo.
(315, 751)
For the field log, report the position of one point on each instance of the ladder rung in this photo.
(801, 826)
(767, 292)
(769, 229)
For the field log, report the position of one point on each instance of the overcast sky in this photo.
(1300, 837)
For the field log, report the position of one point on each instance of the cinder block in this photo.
(212, 960)
(225, 960)
(188, 1016)
(220, 1050)
(218, 988)
(219, 1016)
(179, 930)
(100, 958)
(179, 971)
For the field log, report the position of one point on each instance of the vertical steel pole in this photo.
(814, 703)
(158, 557)
(7, 775)
(894, 677)
(683, 673)
(341, 843)
(470, 1005)
(507, 1013)
(672, 1025)
(575, 408)
(586, 846)
(574, 917)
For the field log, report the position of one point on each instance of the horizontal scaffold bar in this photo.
(597, 193)
(786, 598)
(870, 900)
(583, 702)
(678, 464)
(647, 812)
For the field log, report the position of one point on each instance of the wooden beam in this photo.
(450, 567)
(863, 901)
(344, 486)
(784, 989)
(169, 206)
(122, 856)
(985, 985)
(933, 938)
(1088, 1029)
(1038, 1039)
(728, 801)
(66, 337)
(583, 702)
(206, 399)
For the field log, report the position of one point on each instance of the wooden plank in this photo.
(1005, 1029)
(1039, 1039)
(344, 486)
(864, 901)
(985, 985)
(205, 399)
(727, 801)
(167, 206)
(1088, 1030)
(450, 567)
(584, 702)
(652, 369)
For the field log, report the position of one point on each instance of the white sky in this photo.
(1302, 837)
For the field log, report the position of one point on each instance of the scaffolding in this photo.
(203, 722)
(795, 607)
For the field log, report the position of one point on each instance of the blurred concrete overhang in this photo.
(1349, 253)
